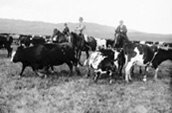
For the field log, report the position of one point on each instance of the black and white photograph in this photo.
(85, 56)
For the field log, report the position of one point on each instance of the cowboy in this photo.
(81, 27)
(66, 30)
(80, 30)
(122, 29)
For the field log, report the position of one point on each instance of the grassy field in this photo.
(60, 93)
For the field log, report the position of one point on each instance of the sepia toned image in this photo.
(85, 56)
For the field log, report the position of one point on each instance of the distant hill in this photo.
(93, 29)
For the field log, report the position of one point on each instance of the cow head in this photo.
(16, 55)
(160, 56)
(107, 52)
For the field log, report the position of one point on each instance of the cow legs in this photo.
(79, 55)
(23, 68)
(9, 50)
(128, 71)
(97, 76)
(156, 74)
(52, 69)
(89, 72)
(120, 70)
(140, 70)
(40, 74)
(110, 76)
(70, 67)
(132, 70)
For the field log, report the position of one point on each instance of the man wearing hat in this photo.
(81, 27)
(122, 29)
(66, 30)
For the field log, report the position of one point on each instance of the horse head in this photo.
(60, 37)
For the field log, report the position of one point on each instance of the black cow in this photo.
(167, 44)
(136, 42)
(35, 40)
(149, 42)
(5, 42)
(160, 56)
(31, 56)
(25, 40)
(60, 54)
(44, 56)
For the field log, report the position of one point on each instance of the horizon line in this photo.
(46, 22)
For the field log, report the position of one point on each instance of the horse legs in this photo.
(79, 56)
(156, 74)
(128, 71)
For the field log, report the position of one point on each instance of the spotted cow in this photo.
(135, 54)
(161, 55)
(102, 62)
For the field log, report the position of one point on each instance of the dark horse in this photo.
(121, 40)
(80, 44)
(60, 37)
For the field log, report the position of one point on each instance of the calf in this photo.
(102, 62)
(160, 56)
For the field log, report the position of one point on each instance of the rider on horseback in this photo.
(121, 29)
(81, 27)
(66, 30)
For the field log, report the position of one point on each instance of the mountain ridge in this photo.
(93, 29)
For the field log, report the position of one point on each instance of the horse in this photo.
(80, 44)
(60, 37)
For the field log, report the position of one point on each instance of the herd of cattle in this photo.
(106, 56)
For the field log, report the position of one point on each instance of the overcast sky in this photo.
(153, 16)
